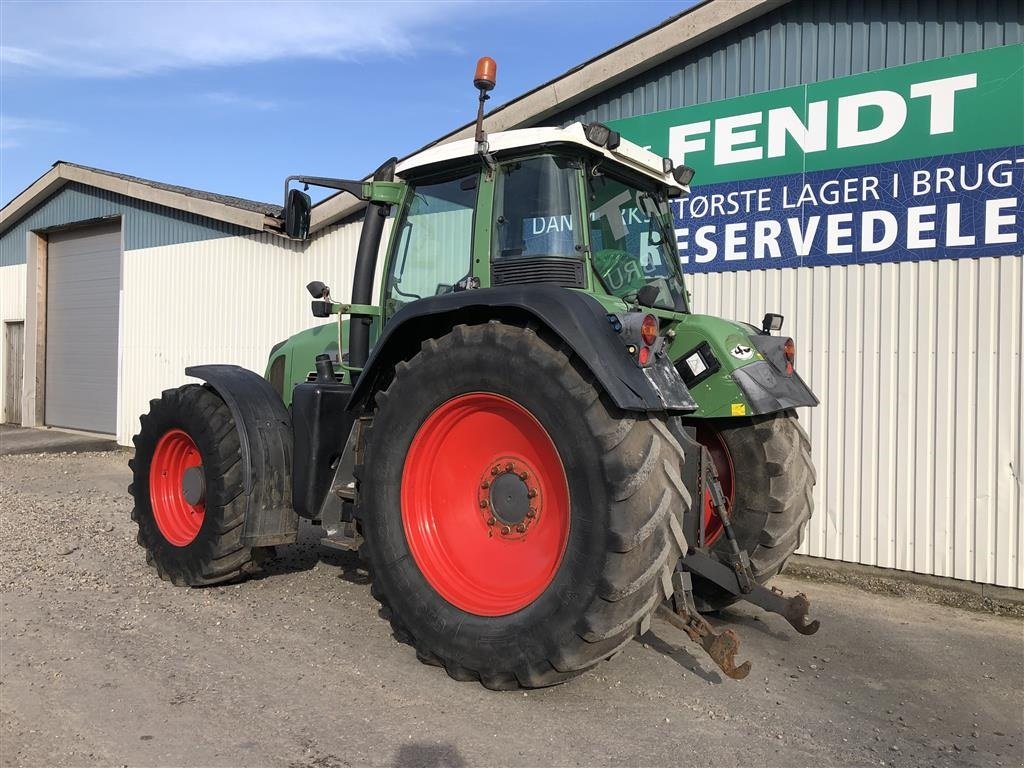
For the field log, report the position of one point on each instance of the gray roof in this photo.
(255, 206)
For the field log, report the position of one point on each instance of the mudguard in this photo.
(578, 319)
(265, 434)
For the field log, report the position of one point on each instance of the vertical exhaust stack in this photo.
(484, 80)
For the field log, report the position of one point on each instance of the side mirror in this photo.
(647, 296)
(297, 208)
(683, 174)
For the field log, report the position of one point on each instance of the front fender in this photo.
(576, 318)
(265, 434)
(732, 370)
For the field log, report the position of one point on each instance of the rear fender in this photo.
(578, 319)
(265, 435)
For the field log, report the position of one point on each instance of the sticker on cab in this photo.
(742, 352)
(739, 409)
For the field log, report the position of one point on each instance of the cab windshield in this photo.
(632, 242)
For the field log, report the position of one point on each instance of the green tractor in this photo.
(527, 435)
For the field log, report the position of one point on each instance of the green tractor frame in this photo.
(529, 437)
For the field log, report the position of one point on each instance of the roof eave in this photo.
(64, 173)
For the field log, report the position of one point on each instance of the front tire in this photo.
(463, 571)
(765, 468)
(187, 485)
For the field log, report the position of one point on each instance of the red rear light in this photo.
(649, 329)
(789, 352)
(644, 355)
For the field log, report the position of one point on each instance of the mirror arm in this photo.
(355, 188)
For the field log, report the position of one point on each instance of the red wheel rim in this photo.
(476, 464)
(711, 439)
(178, 520)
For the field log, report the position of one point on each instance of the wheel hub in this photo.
(509, 498)
(193, 485)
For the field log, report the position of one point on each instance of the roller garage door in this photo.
(83, 280)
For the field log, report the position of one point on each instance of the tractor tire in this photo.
(519, 528)
(187, 486)
(764, 465)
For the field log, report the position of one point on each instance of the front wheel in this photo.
(187, 486)
(517, 525)
(765, 468)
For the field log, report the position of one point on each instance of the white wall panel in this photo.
(12, 307)
(917, 442)
(918, 438)
(226, 300)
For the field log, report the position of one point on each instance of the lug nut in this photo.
(523, 476)
(506, 530)
(521, 528)
(509, 467)
(531, 512)
(495, 470)
(485, 484)
(491, 521)
(532, 493)
(483, 503)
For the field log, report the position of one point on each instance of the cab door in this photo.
(432, 248)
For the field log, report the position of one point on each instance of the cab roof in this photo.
(626, 154)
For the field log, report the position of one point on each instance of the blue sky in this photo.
(233, 97)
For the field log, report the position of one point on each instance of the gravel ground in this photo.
(101, 663)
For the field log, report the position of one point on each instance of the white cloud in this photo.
(229, 99)
(15, 130)
(115, 39)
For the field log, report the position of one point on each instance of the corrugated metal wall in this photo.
(805, 42)
(144, 224)
(12, 307)
(918, 441)
(220, 301)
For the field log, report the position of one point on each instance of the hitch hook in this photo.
(796, 611)
(722, 648)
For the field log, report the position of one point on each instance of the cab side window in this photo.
(434, 250)
(535, 207)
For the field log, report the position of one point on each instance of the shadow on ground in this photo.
(422, 755)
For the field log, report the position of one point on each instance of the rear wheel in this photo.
(518, 527)
(765, 468)
(187, 486)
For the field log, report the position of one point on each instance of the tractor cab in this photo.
(576, 207)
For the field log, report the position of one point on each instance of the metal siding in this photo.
(220, 301)
(145, 224)
(808, 41)
(83, 276)
(12, 307)
(918, 442)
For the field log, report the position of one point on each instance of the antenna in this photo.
(484, 80)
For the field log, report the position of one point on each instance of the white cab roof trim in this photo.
(627, 153)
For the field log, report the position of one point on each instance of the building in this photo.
(110, 285)
(859, 169)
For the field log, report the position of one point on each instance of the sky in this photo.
(232, 97)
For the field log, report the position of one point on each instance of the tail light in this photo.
(649, 329)
(789, 352)
(640, 336)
